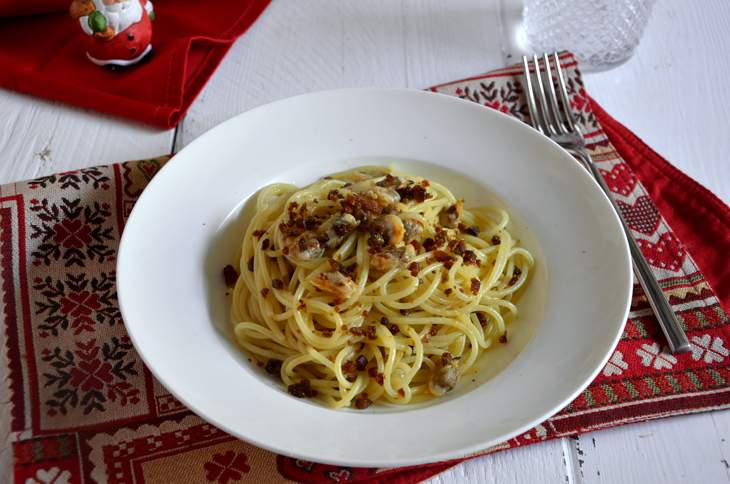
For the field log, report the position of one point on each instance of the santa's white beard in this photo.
(120, 15)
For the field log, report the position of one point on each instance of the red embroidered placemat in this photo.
(82, 407)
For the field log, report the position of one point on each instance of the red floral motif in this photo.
(77, 302)
(91, 375)
(504, 98)
(226, 466)
(498, 106)
(81, 324)
(580, 104)
(579, 101)
(507, 96)
(80, 303)
(72, 233)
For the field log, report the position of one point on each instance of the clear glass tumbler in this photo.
(601, 33)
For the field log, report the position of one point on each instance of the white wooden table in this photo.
(673, 93)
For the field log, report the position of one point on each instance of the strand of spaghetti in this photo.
(274, 330)
(410, 286)
(357, 387)
(476, 340)
(418, 300)
(418, 346)
(290, 363)
(438, 311)
(500, 303)
(389, 344)
(499, 263)
(457, 346)
(324, 362)
(309, 335)
(345, 352)
(238, 310)
(382, 280)
(279, 354)
(467, 328)
(255, 331)
(497, 319)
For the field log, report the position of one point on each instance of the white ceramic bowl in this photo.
(189, 221)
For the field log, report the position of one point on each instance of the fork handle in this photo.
(671, 327)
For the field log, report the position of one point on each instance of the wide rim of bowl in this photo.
(159, 179)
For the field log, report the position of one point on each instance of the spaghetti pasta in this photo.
(372, 285)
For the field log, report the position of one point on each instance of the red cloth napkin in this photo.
(10, 8)
(84, 407)
(43, 55)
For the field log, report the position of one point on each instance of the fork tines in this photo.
(549, 115)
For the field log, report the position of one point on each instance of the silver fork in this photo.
(554, 119)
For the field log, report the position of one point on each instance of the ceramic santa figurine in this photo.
(116, 32)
